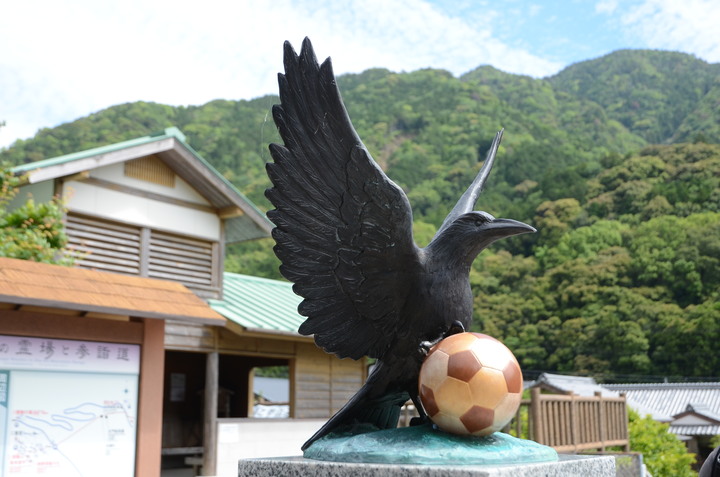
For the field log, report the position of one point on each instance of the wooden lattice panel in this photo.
(182, 259)
(150, 169)
(98, 244)
(101, 245)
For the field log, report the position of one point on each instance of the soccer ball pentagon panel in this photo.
(470, 384)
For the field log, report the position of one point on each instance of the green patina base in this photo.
(425, 445)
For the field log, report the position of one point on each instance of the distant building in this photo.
(691, 409)
(562, 384)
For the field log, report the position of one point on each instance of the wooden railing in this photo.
(572, 423)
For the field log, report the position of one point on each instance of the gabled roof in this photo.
(672, 398)
(24, 283)
(247, 222)
(259, 305)
(580, 385)
(700, 409)
(697, 420)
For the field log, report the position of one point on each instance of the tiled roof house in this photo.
(693, 409)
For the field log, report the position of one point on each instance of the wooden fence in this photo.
(572, 423)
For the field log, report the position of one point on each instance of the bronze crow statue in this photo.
(344, 236)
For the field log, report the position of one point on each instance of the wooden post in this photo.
(250, 392)
(212, 366)
(150, 400)
(217, 264)
(144, 258)
(536, 429)
(574, 422)
(625, 430)
(293, 379)
(601, 420)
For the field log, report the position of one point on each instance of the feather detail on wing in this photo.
(343, 229)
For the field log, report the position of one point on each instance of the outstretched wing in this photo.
(343, 229)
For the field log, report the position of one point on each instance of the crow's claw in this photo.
(424, 348)
(455, 328)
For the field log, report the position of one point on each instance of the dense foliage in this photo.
(663, 453)
(33, 231)
(614, 160)
(626, 282)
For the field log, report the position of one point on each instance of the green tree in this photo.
(679, 253)
(663, 453)
(33, 231)
(583, 242)
(684, 341)
(554, 218)
(254, 257)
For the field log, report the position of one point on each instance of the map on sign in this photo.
(72, 413)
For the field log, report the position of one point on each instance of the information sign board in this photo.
(67, 408)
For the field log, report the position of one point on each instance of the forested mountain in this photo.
(615, 160)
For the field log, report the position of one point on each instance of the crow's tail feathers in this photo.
(364, 413)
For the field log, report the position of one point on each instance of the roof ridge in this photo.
(73, 156)
(691, 385)
(253, 278)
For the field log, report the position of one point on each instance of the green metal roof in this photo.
(96, 151)
(259, 304)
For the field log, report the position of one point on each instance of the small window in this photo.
(271, 392)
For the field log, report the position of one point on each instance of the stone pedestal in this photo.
(566, 466)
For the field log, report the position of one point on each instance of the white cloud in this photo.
(82, 56)
(534, 9)
(688, 25)
(76, 58)
(606, 6)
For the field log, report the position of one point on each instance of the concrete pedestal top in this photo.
(566, 466)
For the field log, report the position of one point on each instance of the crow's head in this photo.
(483, 229)
(471, 233)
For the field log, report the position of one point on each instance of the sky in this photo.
(63, 60)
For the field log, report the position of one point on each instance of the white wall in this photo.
(250, 438)
(123, 207)
(182, 190)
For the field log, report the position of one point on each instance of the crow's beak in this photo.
(508, 227)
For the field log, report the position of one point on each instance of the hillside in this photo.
(615, 160)
(614, 104)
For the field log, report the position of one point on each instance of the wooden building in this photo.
(260, 331)
(81, 368)
(152, 207)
